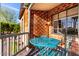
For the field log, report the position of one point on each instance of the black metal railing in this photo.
(12, 44)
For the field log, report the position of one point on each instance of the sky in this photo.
(14, 6)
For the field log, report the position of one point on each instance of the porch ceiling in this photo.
(44, 6)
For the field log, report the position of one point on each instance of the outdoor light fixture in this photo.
(48, 23)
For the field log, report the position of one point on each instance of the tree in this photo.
(16, 28)
(11, 27)
(8, 21)
(7, 28)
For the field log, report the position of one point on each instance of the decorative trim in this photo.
(62, 7)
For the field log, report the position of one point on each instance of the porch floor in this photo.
(23, 53)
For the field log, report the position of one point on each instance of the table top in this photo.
(45, 42)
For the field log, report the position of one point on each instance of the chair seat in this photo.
(48, 52)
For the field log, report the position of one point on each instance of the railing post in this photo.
(25, 40)
(0, 47)
(8, 46)
(22, 41)
(13, 46)
(17, 43)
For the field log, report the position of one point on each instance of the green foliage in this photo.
(27, 4)
(8, 22)
(16, 28)
(72, 31)
(9, 28)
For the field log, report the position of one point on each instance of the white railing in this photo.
(12, 44)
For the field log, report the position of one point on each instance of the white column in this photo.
(29, 17)
(26, 35)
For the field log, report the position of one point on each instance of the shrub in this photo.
(9, 27)
(72, 31)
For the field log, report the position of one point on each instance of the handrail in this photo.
(10, 35)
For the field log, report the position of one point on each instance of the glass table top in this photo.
(45, 42)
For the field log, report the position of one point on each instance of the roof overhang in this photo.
(22, 9)
(38, 6)
(44, 6)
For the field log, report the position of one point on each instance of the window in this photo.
(68, 26)
(62, 25)
(55, 26)
(72, 25)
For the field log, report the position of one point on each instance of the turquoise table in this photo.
(45, 42)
